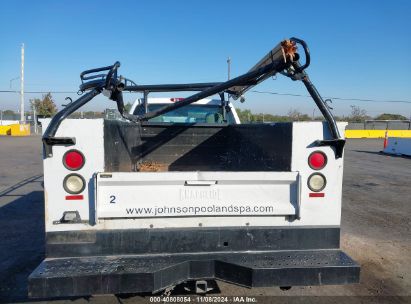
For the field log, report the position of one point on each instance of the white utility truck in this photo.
(177, 190)
(201, 111)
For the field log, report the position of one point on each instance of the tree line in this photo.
(46, 107)
(357, 115)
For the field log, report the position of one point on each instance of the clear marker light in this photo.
(316, 182)
(74, 183)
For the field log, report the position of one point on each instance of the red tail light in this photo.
(73, 160)
(317, 160)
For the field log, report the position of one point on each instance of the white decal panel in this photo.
(180, 194)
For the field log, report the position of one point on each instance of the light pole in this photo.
(228, 68)
(228, 72)
(11, 85)
(22, 117)
(11, 80)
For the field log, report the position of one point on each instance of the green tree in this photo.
(45, 107)
(245, 116)
(295, 115)
(357, 114)
(75, 115)
(8, 112)
(387, 116)
(89, 114)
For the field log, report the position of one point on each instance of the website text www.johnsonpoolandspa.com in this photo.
(201, 210)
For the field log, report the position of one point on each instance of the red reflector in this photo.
(73, 160)
(317, 160)
(74, 197)
(316, 194)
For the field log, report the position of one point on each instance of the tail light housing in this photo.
(73, 160)
(74, 183)
(317, 160)
(316, 182)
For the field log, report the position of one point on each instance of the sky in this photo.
(359, 49)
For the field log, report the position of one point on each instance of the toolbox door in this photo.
(191, 194)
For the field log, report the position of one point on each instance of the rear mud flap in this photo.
(66, 277)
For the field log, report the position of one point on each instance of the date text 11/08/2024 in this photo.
(203, 299)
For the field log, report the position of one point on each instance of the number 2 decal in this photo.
(112, 199)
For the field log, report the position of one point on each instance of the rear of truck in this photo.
(141, 207)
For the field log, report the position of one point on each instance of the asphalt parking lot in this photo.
(376, 222)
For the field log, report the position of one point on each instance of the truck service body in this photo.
(143, 203)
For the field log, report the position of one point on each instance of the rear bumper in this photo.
(81, 276)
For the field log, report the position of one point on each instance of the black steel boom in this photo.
(282, 59)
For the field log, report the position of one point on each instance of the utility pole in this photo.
(22, 117)
(228, 72)
(11, 81)
(228, 68)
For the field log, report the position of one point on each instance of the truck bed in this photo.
(158, 147)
